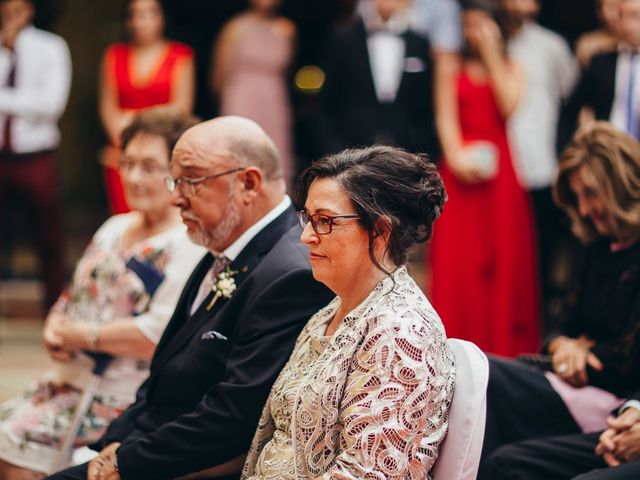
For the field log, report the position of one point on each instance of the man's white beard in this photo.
(212, 240)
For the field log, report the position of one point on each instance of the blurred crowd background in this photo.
(308, 53)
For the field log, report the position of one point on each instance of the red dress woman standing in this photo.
(145, 72)
(483, 252)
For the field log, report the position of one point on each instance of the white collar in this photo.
(233, 250)
(397, 24)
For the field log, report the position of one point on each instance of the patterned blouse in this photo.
(371, 401)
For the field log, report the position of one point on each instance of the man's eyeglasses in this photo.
(321, 224)
(188, 187)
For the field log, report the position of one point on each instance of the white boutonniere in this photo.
(224, 287)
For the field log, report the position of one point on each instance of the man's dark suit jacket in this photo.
(595, 89)
(200, 405)
(350, 114)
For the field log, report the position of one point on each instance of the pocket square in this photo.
(213, 335)
(414, 65)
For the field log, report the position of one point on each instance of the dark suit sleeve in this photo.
(123, 425)
(590, 91)
(620, 357)
(330, 99)
(223, 423)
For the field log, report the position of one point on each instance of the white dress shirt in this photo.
(386, 49)
(550, 73)
(386, 57)
(620, 99)
(437, 20)
(233, 250)
(39, 97)
(630, 404)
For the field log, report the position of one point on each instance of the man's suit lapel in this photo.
(363, 63)
(181, 313)
(248, 259)
(413, 49)
(602, 91)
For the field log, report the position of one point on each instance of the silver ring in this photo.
(562, 368)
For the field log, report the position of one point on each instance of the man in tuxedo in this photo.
(610, 85)
(378, 86)
(236, 321)
(612, 455)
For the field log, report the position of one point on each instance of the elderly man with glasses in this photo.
(235, 324)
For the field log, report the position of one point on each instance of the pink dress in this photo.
(256, 86)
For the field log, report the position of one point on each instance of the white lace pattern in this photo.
(370, 402)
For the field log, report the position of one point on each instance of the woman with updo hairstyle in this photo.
(367, 390)
(594, 356)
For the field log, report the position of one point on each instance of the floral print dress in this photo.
(143, 283)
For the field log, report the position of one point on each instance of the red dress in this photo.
(137, 94)
(483, 256)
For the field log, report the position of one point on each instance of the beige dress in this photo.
(371, 401)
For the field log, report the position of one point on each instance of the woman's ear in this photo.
(382, 229)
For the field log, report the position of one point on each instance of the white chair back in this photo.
(460, 451)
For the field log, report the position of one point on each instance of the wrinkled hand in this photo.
(570, 358)
(101, 467)
(628, 445)
(52, 339)
(621, 441)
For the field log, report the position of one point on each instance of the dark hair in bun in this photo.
(388, 183)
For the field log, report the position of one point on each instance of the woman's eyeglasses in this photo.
(127, 166)
(321, 224)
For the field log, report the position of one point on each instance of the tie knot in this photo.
(220, 262)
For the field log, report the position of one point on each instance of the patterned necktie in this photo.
(220, 262)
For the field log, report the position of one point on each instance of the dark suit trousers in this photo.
(32, 179)
(521, 405)
(80, 473)
(556, 458)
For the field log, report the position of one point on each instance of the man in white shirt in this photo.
(378, 86)
(35, 77)
(551, 72)
(610, 85)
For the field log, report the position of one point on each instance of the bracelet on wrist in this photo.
(93, 335)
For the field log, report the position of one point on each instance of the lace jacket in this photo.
(375, 404)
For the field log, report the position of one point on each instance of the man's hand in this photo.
(570, 357)
(101, 467)
(621, 441)
(628, 444)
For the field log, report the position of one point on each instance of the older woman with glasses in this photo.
(122, 295)
(367, 390)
